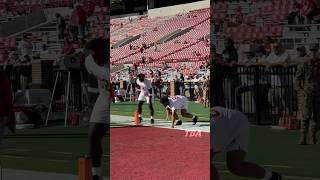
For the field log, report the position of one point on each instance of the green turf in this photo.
(128, 108)
(52, 149)
(278, 150)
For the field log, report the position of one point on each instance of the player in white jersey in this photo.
(97, 64)
(230, 134)
(175, 103)
(146, 94)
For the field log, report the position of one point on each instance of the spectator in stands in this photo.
(82, 21)
(260, 50)
(73, 25)
(61, 26)
(279, 56)
(158, 84)
(239, 15)
(301, 52)
(68, 48)
(311, 10)
(25, 49)
(248, 82)
(181, 84)
(278, 61)
(230, 58)
(295, 16)
(268, 45)
(7, 116)
(217, 26)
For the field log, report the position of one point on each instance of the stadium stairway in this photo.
(126, 41)
(174, 34)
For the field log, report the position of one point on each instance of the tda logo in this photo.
(193, 133)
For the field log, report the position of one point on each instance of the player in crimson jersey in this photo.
(175, 103)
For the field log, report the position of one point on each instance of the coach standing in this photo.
(308, 81)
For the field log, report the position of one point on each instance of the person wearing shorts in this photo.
(175, 103)
(146, 95)
(230, 134)
(97, 64)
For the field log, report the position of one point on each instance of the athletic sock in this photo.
(151, 117)
(193, 117)
(268, 175)
(139, 115)
(96, 171)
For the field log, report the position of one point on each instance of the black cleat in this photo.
(96, 177)
(276, 176)
(152, 121)
(195, 120)
(178, 123)
(140, 119)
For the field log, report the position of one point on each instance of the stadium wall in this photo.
(22, 23)
(173, 10)
(64, 11)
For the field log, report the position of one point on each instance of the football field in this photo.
(277, 150)
(128, 108)
(57, 149)
(52, 149)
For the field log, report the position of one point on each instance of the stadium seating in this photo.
(188, 46)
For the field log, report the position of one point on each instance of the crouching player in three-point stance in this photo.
(230, 134)
(146, 94)
(174, 103)
(97, 63)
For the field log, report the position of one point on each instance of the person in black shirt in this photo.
(230, 59)
(61, 26)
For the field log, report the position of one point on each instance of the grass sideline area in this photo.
(52, 149)
(128, 108)
(278, 151)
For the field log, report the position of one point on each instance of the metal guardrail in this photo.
(264, 94)
(192, 90)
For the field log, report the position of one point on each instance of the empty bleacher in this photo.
(168, 40)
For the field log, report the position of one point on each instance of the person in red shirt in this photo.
(311, 10)
(68, 48)
(7, 117)
(82, 20)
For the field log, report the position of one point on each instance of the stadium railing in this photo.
(192, 90)
(264, 94)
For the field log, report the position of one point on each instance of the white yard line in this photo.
(59, 160)
(18, 150)
(13, 157)
(160, 123)
(266, 165)
(285, 177)
(57, 152)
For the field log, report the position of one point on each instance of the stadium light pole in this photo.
(147, 5)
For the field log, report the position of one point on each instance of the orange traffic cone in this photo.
(136, 118)
(85, 168)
